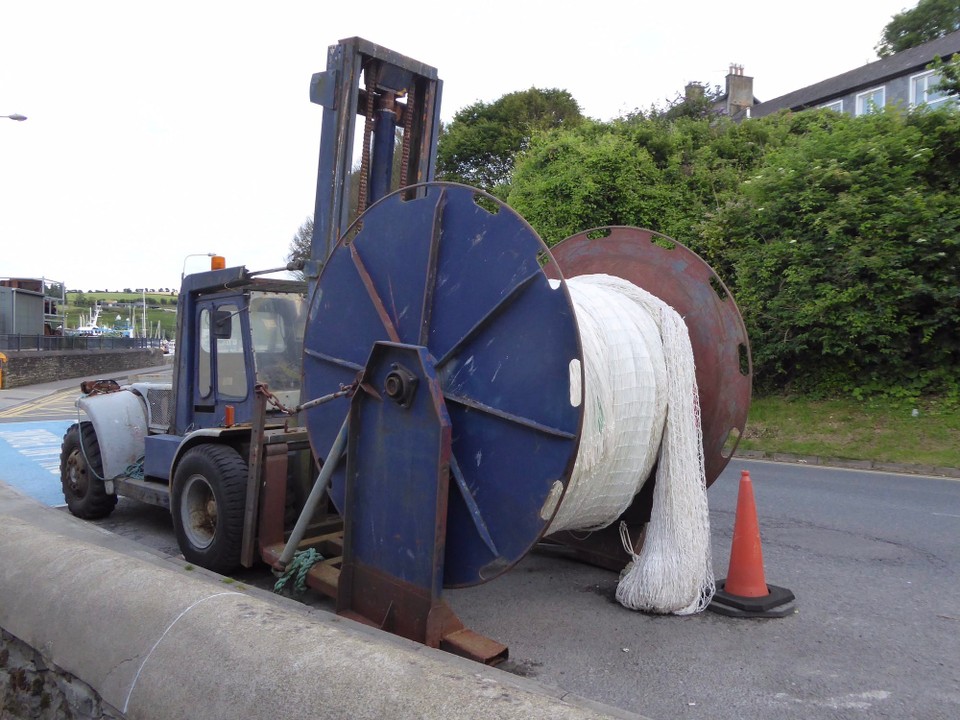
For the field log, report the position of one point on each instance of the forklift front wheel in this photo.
(81, 474)
(207, 503)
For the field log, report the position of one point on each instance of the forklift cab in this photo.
(234, 330)
(243, 337)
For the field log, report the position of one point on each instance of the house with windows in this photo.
(901, 80)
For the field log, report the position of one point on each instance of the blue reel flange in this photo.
(456, 281)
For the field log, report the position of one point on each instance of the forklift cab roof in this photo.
(238, 278)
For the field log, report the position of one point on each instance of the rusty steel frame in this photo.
(258, 422)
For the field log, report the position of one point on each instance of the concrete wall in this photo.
(158, 639)
(31, 368)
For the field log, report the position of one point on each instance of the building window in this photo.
(836, 106)
(924, 90)
(871, 101)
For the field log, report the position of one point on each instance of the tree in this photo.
(929, 20)
(695, 105)
(300, 245)
(587, 177)
(645, 171)
(480, 145)
(699, 102)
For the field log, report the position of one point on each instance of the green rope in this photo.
(299, 566)
(135, 470)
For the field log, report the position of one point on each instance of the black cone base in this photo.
(778, 603)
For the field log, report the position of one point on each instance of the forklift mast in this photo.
(399, 99)
(397, 93)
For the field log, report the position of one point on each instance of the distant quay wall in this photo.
(33, 367)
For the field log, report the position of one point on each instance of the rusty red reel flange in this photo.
(678, 276)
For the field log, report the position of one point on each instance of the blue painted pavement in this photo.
(30, 458)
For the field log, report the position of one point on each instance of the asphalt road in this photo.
(58, 405)
(872, 558)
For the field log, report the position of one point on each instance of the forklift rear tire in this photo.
(208, 499)
(81, 474)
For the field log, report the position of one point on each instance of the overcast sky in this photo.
(161, 129)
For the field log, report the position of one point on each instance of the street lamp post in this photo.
(16, 116)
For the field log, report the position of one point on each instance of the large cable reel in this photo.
(453, 270)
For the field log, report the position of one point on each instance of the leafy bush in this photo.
(844, 249)
(837, 235)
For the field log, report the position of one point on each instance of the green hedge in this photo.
(838, 235)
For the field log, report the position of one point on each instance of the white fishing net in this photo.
(641, 403)
(624, 403)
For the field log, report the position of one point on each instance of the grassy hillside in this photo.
(161, 307)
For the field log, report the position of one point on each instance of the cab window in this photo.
(204, 369)
(231, 368)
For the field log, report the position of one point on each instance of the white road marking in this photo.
(40, 445)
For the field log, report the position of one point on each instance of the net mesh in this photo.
(641, 404)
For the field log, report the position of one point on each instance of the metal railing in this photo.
(19, 342)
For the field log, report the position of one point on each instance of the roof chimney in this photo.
(739, 91)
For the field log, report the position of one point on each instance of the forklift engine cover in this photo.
(120, 422)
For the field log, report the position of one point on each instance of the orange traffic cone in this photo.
(745, 592)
